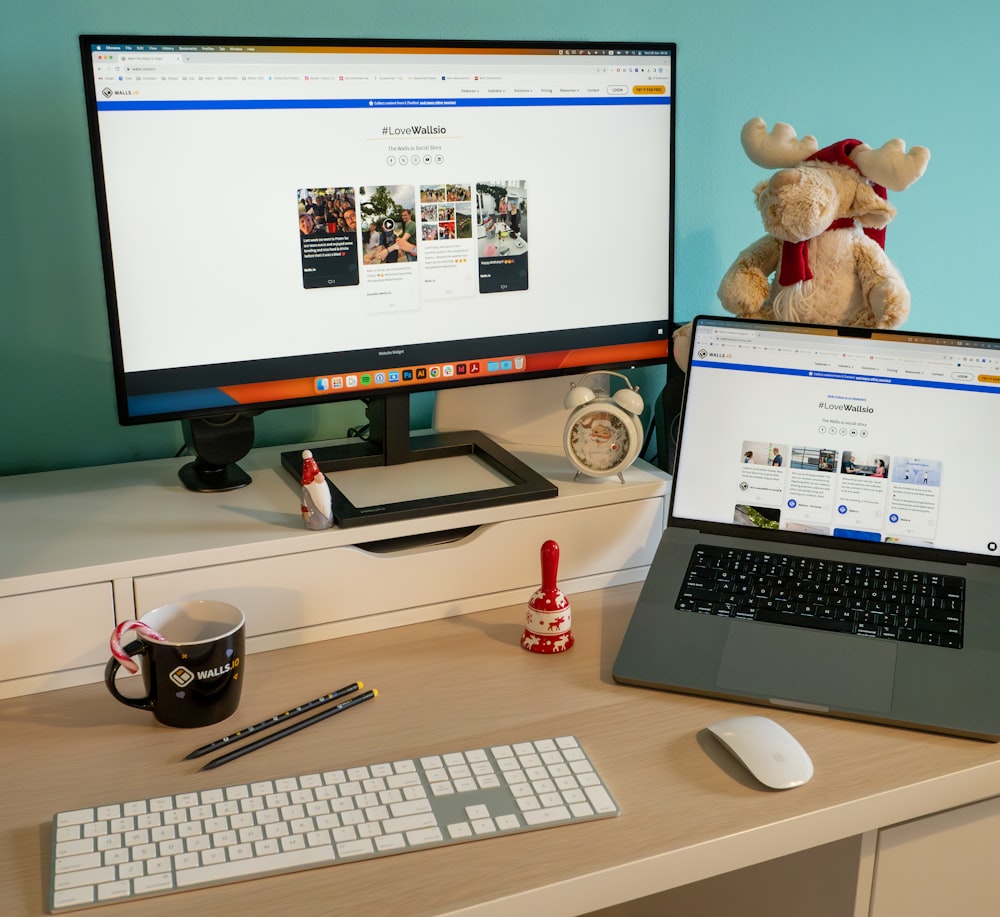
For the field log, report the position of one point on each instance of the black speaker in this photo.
(218, 444)
(667, 418)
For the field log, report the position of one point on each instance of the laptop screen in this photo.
(890, 438)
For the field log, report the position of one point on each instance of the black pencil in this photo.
(275, 720)
(288, 730)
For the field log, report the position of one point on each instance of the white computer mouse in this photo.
(766, 749)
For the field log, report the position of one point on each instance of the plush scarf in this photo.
(795, 255)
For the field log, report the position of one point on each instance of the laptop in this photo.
(850, 451)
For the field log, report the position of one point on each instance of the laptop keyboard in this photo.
(873, 601)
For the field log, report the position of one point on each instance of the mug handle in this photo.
(135, 648)
(116, 642)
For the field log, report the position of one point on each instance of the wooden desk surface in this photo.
(688, 811)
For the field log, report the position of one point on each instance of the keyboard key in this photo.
(601, 799)
(546, 816)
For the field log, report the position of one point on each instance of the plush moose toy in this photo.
(825, 213)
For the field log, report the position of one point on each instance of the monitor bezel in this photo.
(307, 365)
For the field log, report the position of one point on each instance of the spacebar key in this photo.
(254, 866)
(773, 616)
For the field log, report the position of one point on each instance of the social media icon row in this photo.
(843, 431)
(416, 159)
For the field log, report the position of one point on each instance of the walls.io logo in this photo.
(181, 676)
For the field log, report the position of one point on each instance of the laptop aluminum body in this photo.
(871, 446)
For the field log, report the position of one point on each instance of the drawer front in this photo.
(285, 593)
(913, 858)
(56, 630)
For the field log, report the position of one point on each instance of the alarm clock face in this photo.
(601, 439)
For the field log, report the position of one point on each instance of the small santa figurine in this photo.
(317, 502)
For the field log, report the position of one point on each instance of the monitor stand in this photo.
(500, 477)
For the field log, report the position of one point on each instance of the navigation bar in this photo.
(232, 73)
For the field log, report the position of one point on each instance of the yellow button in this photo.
(647, 90)
(992, 380)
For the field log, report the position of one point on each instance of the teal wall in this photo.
(872, 70)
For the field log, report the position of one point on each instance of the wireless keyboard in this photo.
(163, 844)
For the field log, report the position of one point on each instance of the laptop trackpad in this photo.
(797, 664)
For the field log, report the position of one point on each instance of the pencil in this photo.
(288, 730)
(275, 720)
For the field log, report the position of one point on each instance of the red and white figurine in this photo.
(548, 627)
(317, 508)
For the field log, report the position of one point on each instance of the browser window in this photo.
(413, 204)
(877, 439)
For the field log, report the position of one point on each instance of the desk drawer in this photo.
(53, 631)
(490, 565)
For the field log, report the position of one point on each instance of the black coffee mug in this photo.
(192, 662)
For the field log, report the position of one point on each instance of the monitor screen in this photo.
(294, 221)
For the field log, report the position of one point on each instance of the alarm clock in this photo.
(603, 434)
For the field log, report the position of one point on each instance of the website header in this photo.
(883, 358)
(232, 72)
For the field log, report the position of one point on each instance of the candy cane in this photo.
(116, 642)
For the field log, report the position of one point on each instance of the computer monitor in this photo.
(295, 221)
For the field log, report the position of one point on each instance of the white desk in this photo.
(88, 548)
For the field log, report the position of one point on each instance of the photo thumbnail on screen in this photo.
(328, 234)
(388, 224)
(502, 223)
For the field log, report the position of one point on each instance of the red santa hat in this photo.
(310, 470)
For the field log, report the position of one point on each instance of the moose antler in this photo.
(891, 165)
(778, 149)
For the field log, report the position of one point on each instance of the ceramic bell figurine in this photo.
(548, 624)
